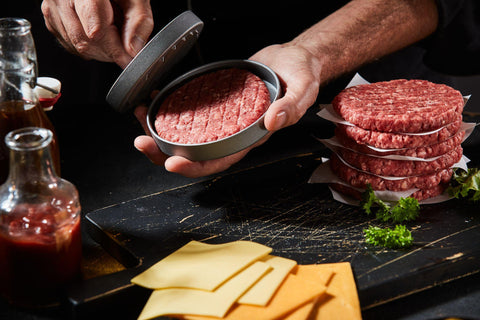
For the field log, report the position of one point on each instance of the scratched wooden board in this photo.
(274, 205)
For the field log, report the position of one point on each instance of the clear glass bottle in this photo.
(40, 242)
(19, 106)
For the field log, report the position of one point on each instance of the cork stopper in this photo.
(48, 92)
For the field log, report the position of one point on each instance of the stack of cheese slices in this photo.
(242, 280)
(402, 135)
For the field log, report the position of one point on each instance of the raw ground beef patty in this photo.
(413, 118)
(425, 152)
(360, 179)
(212, 106)
(399, 168)
(386, 140)
(400, 106)
(421, 194)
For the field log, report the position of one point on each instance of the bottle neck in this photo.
(30, 158)
(18, 61)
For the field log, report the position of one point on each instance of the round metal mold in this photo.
(225, 146)
(152, 64)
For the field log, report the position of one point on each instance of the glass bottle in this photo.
(19, 106)
(40, 242)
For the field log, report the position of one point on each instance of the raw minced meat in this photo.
(399, 106)
(415, 118)
(399, 168)
(424, 151)
(212, 106)
(387, 140)
(420, 194)
(360, 179)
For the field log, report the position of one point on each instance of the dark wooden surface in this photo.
(272, 203)
(139, 213)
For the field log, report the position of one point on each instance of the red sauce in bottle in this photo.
(37, 255)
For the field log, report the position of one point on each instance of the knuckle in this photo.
(94, 32)
(81, 46)
(146, 17)
(46, 10)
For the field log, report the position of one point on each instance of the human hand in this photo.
(181, 165)
(104, 30)
(299, 74)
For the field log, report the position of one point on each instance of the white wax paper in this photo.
(323, 174)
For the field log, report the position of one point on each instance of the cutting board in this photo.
(271, 202)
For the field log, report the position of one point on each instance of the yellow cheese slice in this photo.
(216, 303)
(295, 291)
(342, 301)
(261, 293)
(201, 266)
(318, 273)
(323, 273)
(301, 313)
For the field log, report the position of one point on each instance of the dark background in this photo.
(86, 83)
(97, 143)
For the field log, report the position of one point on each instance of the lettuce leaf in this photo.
(465, 184)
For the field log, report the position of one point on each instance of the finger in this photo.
(52, 17)
(102, 39)
(286, 111)
(195, 169)
(138, 24)
(140, 113)
(111, 45)
(278, 114)
(60, 38)
(149, 148)
(154, 93)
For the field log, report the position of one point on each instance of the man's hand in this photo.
(111, 31)
(297, 71)
(177, 164)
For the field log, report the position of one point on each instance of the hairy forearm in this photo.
(365, 30)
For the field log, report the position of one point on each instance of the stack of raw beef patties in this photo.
(404, 135)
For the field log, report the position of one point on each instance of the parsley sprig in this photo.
(396, 238)
(406, 209)
(464, 185)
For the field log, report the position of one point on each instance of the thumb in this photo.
(292, 106)
(137, 24)
(281, 114)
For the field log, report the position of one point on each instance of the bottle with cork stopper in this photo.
(40, 240)
(19, 104)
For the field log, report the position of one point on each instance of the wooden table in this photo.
(139, 213)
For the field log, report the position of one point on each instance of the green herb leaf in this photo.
(368, 199)
(405, 209)
(465, 184)
(397, 238)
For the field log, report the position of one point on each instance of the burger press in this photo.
(152, 64)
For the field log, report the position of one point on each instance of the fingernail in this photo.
(137, 44)
(135, 144)
(280, 120)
